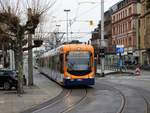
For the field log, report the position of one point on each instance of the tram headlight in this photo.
(90, 77)
(68, 77)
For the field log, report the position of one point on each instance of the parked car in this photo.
(9, 79)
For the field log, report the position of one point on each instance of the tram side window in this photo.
(61, 64)
(56, 62)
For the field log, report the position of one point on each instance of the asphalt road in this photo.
(113, 94)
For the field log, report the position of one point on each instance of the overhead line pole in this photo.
(102, 36)
(67, 10)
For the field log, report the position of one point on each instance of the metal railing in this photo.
(114, 67)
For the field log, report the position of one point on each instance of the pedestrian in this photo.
(138, 70)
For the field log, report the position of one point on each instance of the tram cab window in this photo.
(78, 61)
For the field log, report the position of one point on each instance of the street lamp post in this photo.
(102, 36)
(57, 34)
(67, 10)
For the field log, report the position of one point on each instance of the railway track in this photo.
(62, 103)
(84, 96)
(123, 105)
(126, 106)
(147, 105)
(80, 100)
(64, 94)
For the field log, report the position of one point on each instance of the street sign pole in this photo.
(120, 62)
(120, 50)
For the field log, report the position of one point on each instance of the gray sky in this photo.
(82, 11)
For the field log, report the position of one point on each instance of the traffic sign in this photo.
(119, 48)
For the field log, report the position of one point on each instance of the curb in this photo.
(48, 101)
(113, 73)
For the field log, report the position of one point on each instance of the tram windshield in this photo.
(78, 62)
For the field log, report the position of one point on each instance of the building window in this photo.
(114, 42)
(130, 41)
(116, 29)
(121, 15)
(130, 11)
(125, 13)
(123, 27)
(129, 25)
(120, 28)
(113, 18)
(123, 42)
(113, 30)
(126, 42)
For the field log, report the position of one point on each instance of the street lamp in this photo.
(102, 36)
(67, 10)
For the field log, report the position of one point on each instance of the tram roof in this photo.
(71, 47)
(68, 47)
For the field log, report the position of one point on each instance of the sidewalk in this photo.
(128, 71)
(112, 72)
(43, 90)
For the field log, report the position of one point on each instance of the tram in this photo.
(70, 64)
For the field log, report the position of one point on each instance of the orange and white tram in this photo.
(70, 64)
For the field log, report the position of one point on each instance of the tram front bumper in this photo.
(74, 82)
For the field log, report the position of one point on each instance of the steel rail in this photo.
(124, 100)
(56, 102)
(75, 104)
(64, 94)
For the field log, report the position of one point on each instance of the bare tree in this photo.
(10, 15)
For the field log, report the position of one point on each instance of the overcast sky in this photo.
(82, 11)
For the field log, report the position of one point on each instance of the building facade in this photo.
(96, 36)
(145, 32)
(125, 21)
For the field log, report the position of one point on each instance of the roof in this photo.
(73, 47)
(69, 47)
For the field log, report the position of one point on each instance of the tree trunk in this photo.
(20, 63)
(16, 61)
(30, 62)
